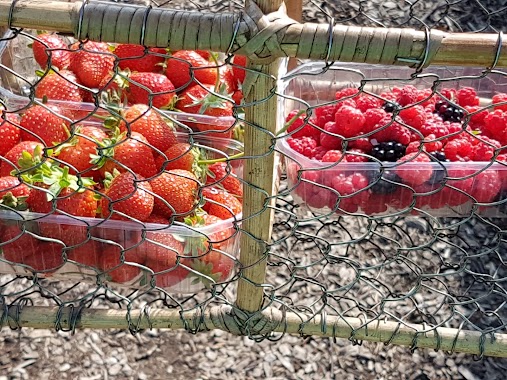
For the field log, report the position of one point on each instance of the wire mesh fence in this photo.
(390, 205)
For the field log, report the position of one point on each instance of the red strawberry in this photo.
(199, 100)
(43, 49)
(162, 251)
(78, 152)
(115, 269)
(220, 203)
(18, 243)
(45, 125)
(177, 189)
(87, 254)
(59, 86)
(179, 156)
(184, 62)
(239, 73)
(144, 120)
(13, 156)
(127, 195)
(91, 62)
(13, 193)
(138, 58)
(157, 84)
(123, 153)
(221, 174)
(9, 131)
(47, 259)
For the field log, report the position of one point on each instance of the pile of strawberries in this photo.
(412, 148)
(134, 167)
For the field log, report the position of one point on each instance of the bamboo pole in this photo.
(294, 11)
(446, 339)
(304, 41)
(259, 174)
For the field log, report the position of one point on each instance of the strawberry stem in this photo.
(290, 122)
(217, 81)
(223, 159)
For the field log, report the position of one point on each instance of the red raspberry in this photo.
(324, 114)
(345, 102)
(416, 170)
(483, 148)
(352, 191)
(365, 102)
(495, 125)
(362, 143)
(304, 145)
(467, 96)
(414, 116)
(408, 95)
(431, 145)
(300, 127)
(349, 121)
(500, 98)
(477, 116)
(463, 183)
(328, 141)
(427, 97)
(426, 196)
(315, 196)
(356, 155)
(388, 96)
(487, 185)
(437, 129)
(453, 129)
(401, 199)
(332, 156)
(346, 93)
(448, 93)
(458, 149)
(372, 117)
(319, 152)
(395, 132)
(414, 146)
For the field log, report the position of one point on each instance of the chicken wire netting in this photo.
(392, 195)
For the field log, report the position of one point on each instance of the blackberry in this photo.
(390, 106)
(382, 186)
(448, 112)
(438, 175)
(390, 151)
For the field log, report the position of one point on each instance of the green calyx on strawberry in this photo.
(212, 100)
(106, 148)
(14, 203)
(30, 162)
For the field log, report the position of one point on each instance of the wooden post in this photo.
(260, 178)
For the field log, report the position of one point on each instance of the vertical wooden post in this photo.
(295, 12)
(259, 172)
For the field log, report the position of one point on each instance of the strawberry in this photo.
(59, 85)
(86, 254)
(199, 100)
(182, 64)
(220, 203)
(13, 193)
(138, 58)
(146, 121)
(180, 156)
(115, 269)
(127, 195)
(45, 125)
(91, 61)
(122, 153)
(51, 48)
(47, 259)
(18, 243)
(238, 71)
(162, 257)
(78, 152)
(220, 174)
(12, 157)
(161, 91)
(176, 192)
(9, 131)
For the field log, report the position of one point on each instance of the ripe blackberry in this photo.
(382, 186)
(388, 151)
(390, 106)
(448, 112)
(439, 173)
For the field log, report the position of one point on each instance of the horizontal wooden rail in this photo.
(261, 38)
(221, 317)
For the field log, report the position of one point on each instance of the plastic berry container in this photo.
(356, 183)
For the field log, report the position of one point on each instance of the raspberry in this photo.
(448, 93)
(319, 152)
(324, 114)
(394, 132)
(500, 98)
(495, 125)
(400, 199)
(328, 141)
(467, 96)
(352, 191)
(346, 93)
(298, 128)
(487, 185)
(304, 145)
(427, 97)
(356, 155)
(417, 169)
(315, 196)
(362, 143)
(431, 144)
(414, 116)
(458, 149)
(345, 102)
(365, 102)
(408, 95)
(332, 156)
(476, 116)
(349, 121)
(372, 117)
(437, 129)
(483, 148)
